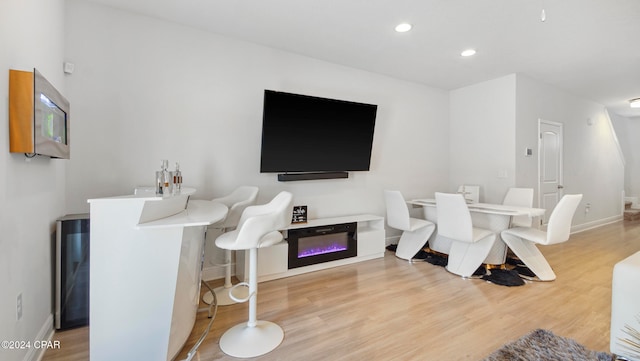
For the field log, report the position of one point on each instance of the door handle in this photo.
(560, 186)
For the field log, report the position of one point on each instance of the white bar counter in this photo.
(145, 253)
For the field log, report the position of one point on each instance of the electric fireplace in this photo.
(313, 245)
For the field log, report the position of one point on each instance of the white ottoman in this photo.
(625, 304)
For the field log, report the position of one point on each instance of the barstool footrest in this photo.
(222, 294)
(245, 297)
(226, 264)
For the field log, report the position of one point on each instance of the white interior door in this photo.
(550, 168)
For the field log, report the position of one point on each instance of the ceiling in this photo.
(589, 48)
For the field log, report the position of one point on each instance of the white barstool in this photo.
(236, 201)
(258, 227)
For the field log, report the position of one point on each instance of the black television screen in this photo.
(303, 133)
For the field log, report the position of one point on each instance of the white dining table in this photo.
(495, 217)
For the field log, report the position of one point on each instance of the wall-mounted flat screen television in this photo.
(302, 133)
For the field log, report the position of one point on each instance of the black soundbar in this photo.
(288, 177)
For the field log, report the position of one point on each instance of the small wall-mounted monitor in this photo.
(38, 116)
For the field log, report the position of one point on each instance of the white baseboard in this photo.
(595, 224)
(45, 334)
(634, 201)
(391, 240)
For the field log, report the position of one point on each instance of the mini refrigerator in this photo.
(72, 271)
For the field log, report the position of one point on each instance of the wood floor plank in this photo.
(390, 309)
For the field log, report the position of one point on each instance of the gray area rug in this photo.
(543, 345)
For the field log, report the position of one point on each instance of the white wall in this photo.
(492, 123)
(627, 130)
(593, 164)
(146, 89)
(482, 143)
(32, 193)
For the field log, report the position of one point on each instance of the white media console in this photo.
(273, 262)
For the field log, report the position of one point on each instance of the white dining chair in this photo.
(415, 231)
(236, 201)
(522, 240)
(519, 197)
(469, 245)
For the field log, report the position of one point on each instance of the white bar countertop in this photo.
(146, 193)
(198, 213)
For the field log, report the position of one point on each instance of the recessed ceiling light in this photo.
(634, 103)
(468, 52)
(403, 28)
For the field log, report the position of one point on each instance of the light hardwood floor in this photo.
(390, 309)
